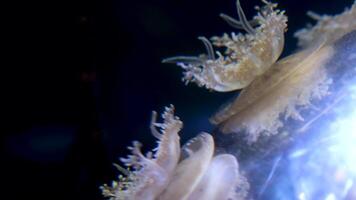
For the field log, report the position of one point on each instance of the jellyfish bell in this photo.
(191, 170)
(294, 94)
(245, 56)
(289, 83)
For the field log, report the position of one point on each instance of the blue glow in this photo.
(326, 167)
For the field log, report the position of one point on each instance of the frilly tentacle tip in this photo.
(181, 59)
(168, 60)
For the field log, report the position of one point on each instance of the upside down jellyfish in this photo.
(173, 173)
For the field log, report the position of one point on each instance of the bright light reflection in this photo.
(326, 169)
(331, 197)
(345, 141)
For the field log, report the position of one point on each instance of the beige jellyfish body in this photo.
(222, 173)
(246, 56)
(175, 173)
(190, 170)
(291, 83)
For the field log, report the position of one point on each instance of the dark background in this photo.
(82, 77)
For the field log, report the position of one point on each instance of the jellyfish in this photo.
(173, 172)
(289, 110)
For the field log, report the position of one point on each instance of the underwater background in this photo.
(82, 77)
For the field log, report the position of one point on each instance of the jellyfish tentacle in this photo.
(183, 59)
(235, 23)
(245, 23)
(150, 174)
(208, 47)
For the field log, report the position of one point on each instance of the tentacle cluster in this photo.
(151, 172)
(246, 55)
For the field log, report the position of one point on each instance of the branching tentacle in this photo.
(245, 24)
(208, 47)
(235, 23)
(153, 125)
(183, 59)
